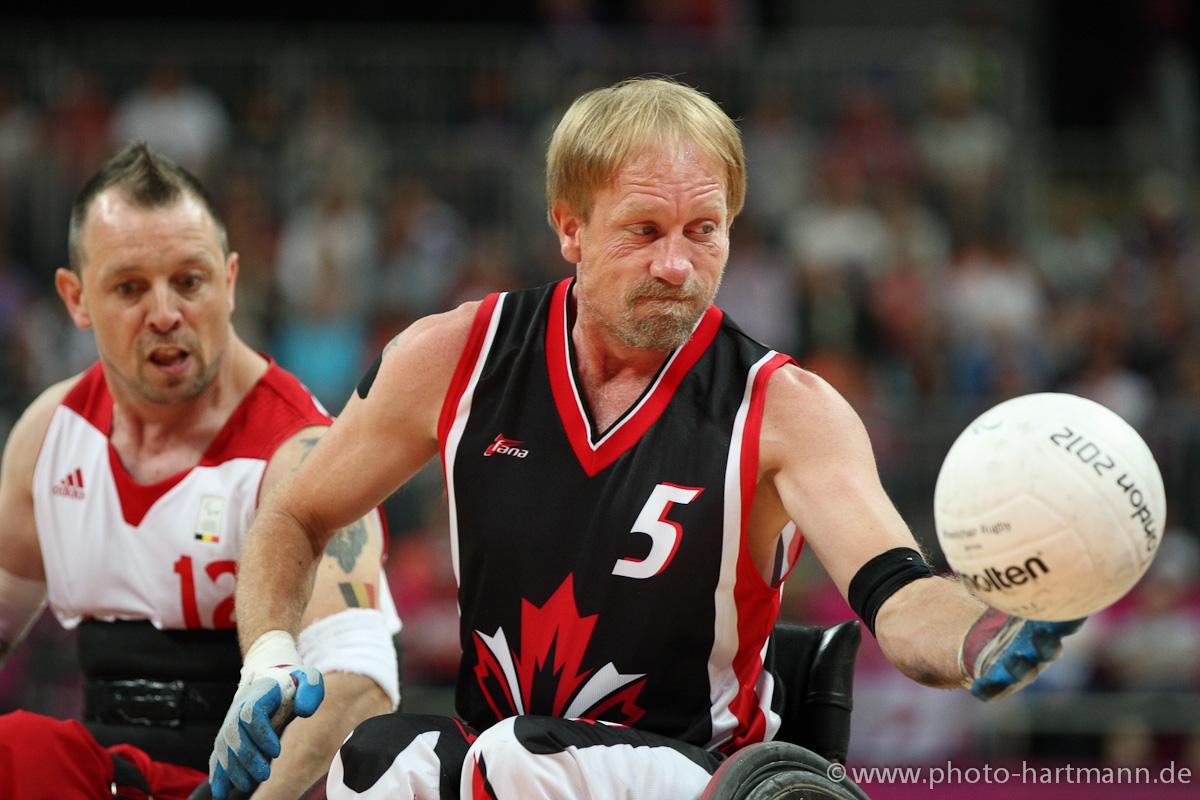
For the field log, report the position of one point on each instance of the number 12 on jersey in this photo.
(664, 534)
(223, 612)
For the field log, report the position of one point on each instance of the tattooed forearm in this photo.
(347, 544)
(358, 595)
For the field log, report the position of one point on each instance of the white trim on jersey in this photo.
(497, 643)
(723, 680)
(460, 424)
(175, 567)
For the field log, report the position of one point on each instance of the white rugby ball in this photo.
(1049, 506)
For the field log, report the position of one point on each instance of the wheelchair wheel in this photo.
(778, 771)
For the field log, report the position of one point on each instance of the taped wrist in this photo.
(271, 650)
(356, 640)
(882, 577)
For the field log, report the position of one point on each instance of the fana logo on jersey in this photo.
(70, 486)
(504, 446)
(545, 673)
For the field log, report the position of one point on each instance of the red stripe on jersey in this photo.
(89, 398)
(466, 366)
(138, 498)
(387, 534)
(481, 789)
(757, 603)
(468, 734)
(275, 408)
(630, 429)
(271, 413)
(795, 547)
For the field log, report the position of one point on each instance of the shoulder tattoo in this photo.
(308, 443)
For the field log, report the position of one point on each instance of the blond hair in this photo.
(605, 129)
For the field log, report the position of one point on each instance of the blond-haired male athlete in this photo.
(627, 474)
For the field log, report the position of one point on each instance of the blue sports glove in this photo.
(274, 688)
(1001, 654)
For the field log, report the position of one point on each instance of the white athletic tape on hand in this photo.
(355, 640)
(272, 649)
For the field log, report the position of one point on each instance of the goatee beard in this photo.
(670, 328)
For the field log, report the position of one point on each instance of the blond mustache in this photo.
(656, 290)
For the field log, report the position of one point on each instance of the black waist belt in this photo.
(126, 777)
(164, 704)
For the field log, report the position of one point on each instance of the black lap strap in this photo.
(165, 691)
(128, 782)
(167, 704)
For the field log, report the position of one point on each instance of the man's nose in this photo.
(163, 314)
(672, 262)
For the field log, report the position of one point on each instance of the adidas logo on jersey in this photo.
(506, 447)
(70, 486)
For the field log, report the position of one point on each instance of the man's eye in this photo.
(126, 288)
(643, 230)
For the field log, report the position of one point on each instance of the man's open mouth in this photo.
(168, 356)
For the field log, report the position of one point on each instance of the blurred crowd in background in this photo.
(926, 228)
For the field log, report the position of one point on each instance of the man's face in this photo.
(651, 255)
(158, 291)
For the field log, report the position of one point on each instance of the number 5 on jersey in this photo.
(664, 534)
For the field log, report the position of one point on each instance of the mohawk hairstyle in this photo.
(147, 179)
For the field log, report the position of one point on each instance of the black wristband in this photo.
(883, 576)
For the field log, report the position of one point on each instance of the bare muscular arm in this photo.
(22, 577)
(348, 571)
(376, 444)
(816, 455)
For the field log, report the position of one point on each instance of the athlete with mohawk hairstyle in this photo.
(125, 495)
(620, 555)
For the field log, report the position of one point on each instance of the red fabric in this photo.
(465, 368)
(480, 788)
(166, 781)
(594, 458)
(757, 602)
(274, 409)
(49, 759)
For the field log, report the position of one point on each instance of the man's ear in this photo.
(567, 225)
(231, 273)
(70, 289)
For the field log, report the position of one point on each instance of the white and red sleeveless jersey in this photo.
(116, 549)
(605, 574)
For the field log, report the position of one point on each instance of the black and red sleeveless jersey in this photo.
(605, 574)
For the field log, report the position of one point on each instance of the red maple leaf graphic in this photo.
(555, 626)
(554, 639)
